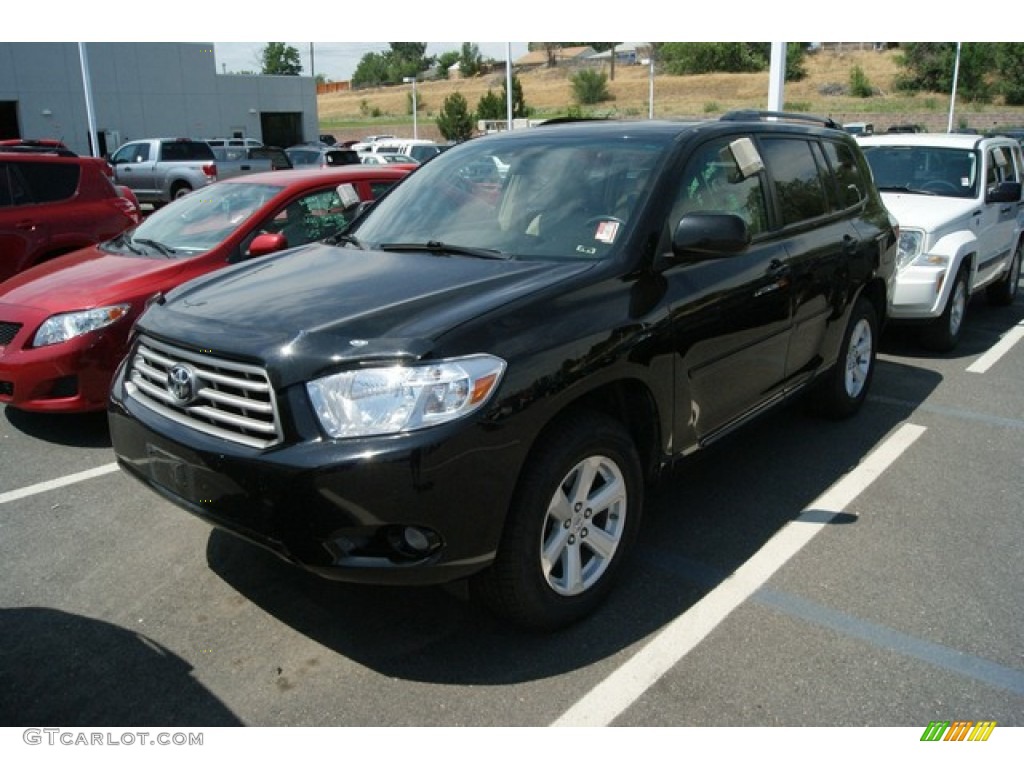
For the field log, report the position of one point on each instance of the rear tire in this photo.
(943, 333)
(179, 191)
(845, 387)
(573, 518)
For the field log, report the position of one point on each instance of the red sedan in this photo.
(64, 324)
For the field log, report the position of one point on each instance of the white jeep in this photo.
(957, 198)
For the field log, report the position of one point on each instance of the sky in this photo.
(337, 61)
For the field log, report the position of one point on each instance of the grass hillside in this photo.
(548, 92)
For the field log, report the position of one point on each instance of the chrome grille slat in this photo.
(230, 418)
(231, 400)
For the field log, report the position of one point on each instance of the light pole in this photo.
(412, 80)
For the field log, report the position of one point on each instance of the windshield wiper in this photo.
(437, 247)
(124, 241)
(157, 246)
(340, 239)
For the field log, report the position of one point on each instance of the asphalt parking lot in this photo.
(801, 573)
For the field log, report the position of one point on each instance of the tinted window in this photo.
(852, 183)
(341, 157)
(712, 183)
(50, 182)
(797, 178)
(186, 150)
(5, 187)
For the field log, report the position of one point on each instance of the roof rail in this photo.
(36, 146)
(764, 114)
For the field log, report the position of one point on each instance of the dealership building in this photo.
(143, 90)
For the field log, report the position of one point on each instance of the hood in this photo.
(928, 212)
(323, 304)
(84, 279)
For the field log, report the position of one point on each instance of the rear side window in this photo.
(347, 157)
(851, 182)
(186, 150)
(5, 187)
(797, 178)
(49, 182)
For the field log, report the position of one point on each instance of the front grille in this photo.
(7, 332)
(230, 400)
(6, 389)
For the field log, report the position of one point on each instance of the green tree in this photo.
(455, 121)
(280, 59)
(704, 58)
(389, 67)
(519, 108)
(930, 66)
(446, 60)
(491, 107)
(590, 87)
(372, 70)
(1009, 63)
(470, 60)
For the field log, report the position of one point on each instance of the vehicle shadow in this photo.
(984, 324)
(77, 430)
(62, 669)
(703, 521)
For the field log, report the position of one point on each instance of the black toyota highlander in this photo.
(477, 380)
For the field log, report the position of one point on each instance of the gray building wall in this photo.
(142, 90)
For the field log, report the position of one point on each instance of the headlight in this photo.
(911, 242)
(383, 401)
(71, 324)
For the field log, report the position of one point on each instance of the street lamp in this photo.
(412, 80)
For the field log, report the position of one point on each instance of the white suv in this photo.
(957, 198)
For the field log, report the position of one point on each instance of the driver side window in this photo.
(712, 183)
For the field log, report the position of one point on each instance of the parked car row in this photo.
(477, 377)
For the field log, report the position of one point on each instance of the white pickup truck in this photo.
(160, 170)
(957, 198)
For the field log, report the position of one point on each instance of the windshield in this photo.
(528, 195)
(924, 170)
(197, 222)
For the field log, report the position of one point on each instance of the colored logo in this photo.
(958, 730)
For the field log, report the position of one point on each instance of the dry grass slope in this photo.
(348, 115)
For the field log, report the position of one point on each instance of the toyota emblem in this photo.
(181, 383)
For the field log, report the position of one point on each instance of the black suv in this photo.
(478, 378)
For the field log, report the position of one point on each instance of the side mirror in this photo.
(267, 243)
(700, 236)
(1004, 192)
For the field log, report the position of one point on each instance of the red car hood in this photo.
(88, 278)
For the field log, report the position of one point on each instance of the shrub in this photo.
(590, 87)
(860, 86)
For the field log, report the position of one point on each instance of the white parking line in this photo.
(619, 690)
(60, 482)
(999, 349)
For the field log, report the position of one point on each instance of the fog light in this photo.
(419, 540)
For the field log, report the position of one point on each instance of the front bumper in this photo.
(71, 377)
(919, 293)
(422, 508)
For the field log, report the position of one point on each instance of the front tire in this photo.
(845, 387)
(942, 334)
(572, 521)
(1003, 293)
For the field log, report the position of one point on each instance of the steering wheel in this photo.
(940, 186)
